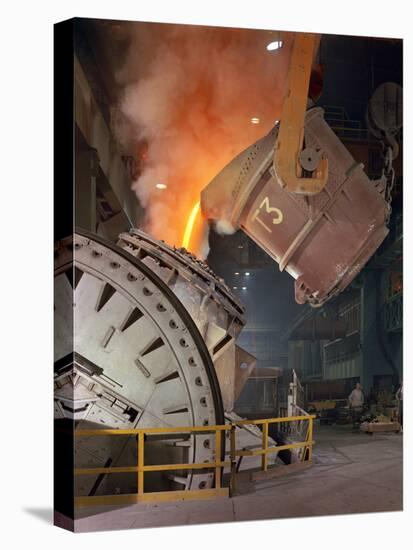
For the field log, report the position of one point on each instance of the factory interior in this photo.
(237, 273)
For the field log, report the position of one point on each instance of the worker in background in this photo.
(399, 397)
(356, 402)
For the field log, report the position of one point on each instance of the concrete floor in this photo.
(352, 473)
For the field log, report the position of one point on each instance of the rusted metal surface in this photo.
(245, 367)
(323, 241)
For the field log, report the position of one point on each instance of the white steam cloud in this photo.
(189, 94)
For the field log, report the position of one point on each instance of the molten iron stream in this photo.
(190, 225)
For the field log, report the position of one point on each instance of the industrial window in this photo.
(351, 314)
(342, 350)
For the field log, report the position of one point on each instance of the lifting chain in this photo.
(388, 173)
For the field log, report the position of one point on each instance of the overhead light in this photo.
(247, 273)
(161, 186)
(244, 288)
(236, 273)
(255, 120)
(234, 288)
(276, 45)
(240, 246)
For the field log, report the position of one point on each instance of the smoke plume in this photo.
(224, 227)
(188, 95)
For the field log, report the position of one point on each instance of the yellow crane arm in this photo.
(299, 171)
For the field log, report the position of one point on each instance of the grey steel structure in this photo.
(132, 357)
(144, 337)
(217, 312)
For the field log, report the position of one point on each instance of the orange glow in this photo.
(191, 115)
(190, 225)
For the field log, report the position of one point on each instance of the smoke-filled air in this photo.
(188, 98)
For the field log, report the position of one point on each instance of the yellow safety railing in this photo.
(307, 444)
(141, 468)
(217, 491)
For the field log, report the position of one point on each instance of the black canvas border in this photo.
(63, 174)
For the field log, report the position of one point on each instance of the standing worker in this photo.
(356, 402)
(399, 397)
